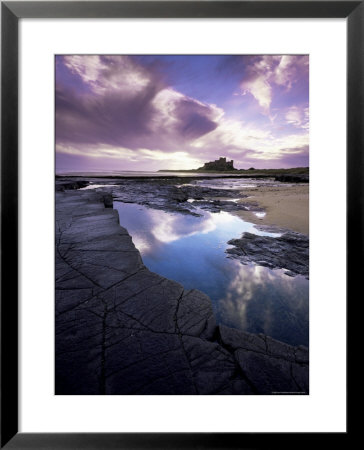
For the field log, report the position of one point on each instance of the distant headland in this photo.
(221, 165)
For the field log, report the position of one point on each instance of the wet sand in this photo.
(286, 206)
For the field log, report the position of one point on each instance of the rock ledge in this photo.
(121, 329)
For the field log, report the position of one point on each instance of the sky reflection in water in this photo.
(191, 250)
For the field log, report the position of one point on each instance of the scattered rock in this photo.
(292, 178)
(168, 197)
(289, 251)
(163, 194)
(62, 185)
(220, 205)
(271, 229)
(201, 192)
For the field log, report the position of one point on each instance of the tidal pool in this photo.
(191, 251)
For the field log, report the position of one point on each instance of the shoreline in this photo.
(290, 177)
(286, 206)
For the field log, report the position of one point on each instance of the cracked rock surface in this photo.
(289, 251)
(121, 329)
(161, 194)
(168, 195)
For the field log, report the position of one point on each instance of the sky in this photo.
(158, 112)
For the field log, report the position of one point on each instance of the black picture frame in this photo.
(11, 12)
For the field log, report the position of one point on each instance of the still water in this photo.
(191, 250)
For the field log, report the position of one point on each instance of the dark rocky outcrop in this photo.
(153, 194)
(108, 200)
(121, 329)
(225, 205)
(171, 198)
(201, 192)
(63, 184)
(289, 251)
(292, 178)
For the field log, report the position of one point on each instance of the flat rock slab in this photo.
(289, 251)
(166, 195)
(121, 329)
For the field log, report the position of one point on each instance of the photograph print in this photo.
(182, 224)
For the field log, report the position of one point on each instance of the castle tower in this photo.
(219, 165)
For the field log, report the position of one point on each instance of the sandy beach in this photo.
(286, 206)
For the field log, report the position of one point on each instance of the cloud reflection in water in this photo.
(191, 250)
(266, 301)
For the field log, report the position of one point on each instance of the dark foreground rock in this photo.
(62, 185)
(121, 329)
(289, 251)
(292, 178)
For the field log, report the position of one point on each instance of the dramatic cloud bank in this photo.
(150, 113)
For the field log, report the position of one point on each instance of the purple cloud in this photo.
(119, 112)
(123, 107)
